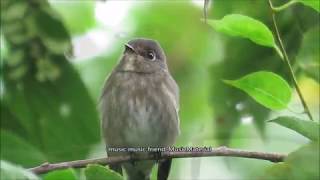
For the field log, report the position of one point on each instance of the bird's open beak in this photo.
(128, 46)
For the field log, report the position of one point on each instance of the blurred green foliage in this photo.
(12, 171)
(47, 110)
(308, 129)
(65, 174)
(70, 11)
(313, 4)
(309, 53)
(48, 102)
(94, 171)
(240, 62)
(300, 164)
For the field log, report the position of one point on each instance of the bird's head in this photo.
(142, 56)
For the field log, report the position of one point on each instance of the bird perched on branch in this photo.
(139, 107)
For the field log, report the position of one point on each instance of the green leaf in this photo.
(300, 164)
(59, 117)
(309, 54)
(18, 72)
(309, 129)
(314, 4)
(11, 171)
(47, 70)
(51, 30)
(14, 11)
(304, 162)
(15, 32)
(277, 171)
(16, 57)
(267, 88)
(65, 174)
(94, 171)
(245, 27)
(3, 48)
(17, 150)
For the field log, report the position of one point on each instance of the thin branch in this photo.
(205, 10)
(284, 6)
(286, 59)
(220, 151)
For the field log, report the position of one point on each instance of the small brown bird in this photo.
(139, 106)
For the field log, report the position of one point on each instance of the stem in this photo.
(220, 151)
(205, 10)
(286, 59)
(284, 6)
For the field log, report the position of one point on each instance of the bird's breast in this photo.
(146, 111)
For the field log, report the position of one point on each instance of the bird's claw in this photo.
(132, 158)
(156, 156)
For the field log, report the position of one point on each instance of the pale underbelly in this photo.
(140, 116)
(147, 127)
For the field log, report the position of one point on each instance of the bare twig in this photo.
(205, 10)
(284, 6)
(221, 151)
(286, 59)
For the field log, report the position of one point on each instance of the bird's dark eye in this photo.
(151, 55)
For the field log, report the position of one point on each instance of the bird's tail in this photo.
(140, 170)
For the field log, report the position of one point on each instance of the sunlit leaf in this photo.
(94, 171)
(309, 129)
(314, 4)
(245, 27)
(11, 171)
(65, 174)
(267, 88)
(309, 53)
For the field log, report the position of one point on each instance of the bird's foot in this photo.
(132, 158)
(156, 156)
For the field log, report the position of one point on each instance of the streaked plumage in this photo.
(139, 104)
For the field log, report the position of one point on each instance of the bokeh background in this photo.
(56, 54)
